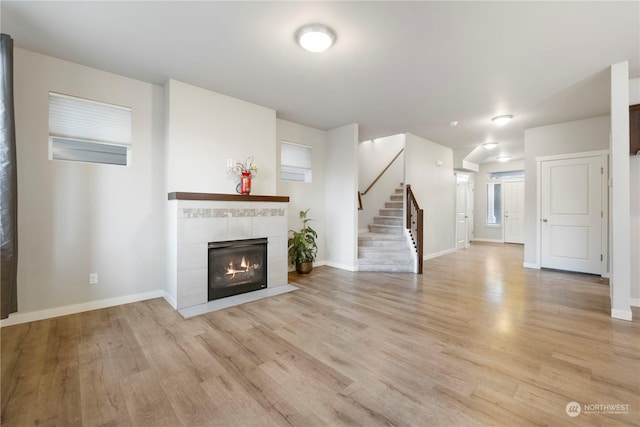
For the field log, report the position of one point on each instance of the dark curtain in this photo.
(8, 184)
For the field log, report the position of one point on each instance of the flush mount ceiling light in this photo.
(490, 145)
(501, 120)
(315, 37)
(503, 158)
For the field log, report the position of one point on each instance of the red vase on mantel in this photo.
(245, 183)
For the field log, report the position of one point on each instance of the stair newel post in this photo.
(420, 241)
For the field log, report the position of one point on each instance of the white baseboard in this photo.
(531, 265)
(172, 301)
(635, 302)
(340, 266)
(437, 254)
(621, 314)
(478, 239)
(329, 264)
(17, 318)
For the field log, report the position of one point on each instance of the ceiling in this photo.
(396, 66)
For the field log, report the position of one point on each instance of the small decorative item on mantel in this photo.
(245, 172)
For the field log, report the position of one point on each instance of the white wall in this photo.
(562, 138)
(435, 190)
(634, 179)
(373, 157)
(303, 196)
(341, 188)
(205, 129)
(482, 231)
(79, 218)
(619, 193)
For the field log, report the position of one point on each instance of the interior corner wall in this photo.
(373, 158)
(563, 138)
(634, 179)
(435, 190)
(341, 193)
(80, 218)
(483, 231)
(205, 129)
(303, 196)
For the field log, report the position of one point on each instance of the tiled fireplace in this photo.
(197, 220)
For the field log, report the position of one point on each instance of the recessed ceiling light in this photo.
(501, 120)
(490, 145)
(315, 37)
(453, 123)
(503, 158)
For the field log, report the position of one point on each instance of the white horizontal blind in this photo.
(295, 162)
(295, 155)
(82, 119)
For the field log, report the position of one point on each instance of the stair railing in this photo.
(415, 217)
(360, 194)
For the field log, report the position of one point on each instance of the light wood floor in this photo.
(476, 340)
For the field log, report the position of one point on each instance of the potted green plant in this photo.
(302, 245)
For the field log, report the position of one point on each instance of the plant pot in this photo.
(304, 267)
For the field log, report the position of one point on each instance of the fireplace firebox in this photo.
(236, 267)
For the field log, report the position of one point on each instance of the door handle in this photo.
(544, 219)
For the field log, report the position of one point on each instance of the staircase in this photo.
(384, 247)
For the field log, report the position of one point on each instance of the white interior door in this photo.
(571, 214)
(513, 197)
(461, 214)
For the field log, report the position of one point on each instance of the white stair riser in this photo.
(385, 229)
(391, 212)
(387, 256)
(386, 268)
(387, 220)
(382, 244)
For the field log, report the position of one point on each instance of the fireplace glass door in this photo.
(236, 267)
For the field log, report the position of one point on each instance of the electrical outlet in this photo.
(229, 163)
(93, 278)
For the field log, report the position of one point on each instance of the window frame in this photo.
(302, 164)
(84, 130)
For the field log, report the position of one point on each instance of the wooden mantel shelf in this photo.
(226, 197)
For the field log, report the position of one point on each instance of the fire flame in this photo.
(244, 265)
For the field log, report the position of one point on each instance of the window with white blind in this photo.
(295, 162)
(84, 130)
(494, 203)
